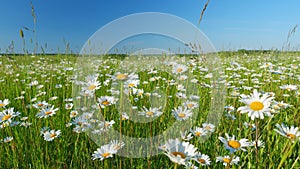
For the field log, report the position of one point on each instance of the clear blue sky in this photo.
(229, 24)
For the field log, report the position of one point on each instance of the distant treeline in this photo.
(229, 53)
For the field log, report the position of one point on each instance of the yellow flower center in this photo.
(40, 105)
(234, 144)
(280, 104)
(105, 103)
(48, 112)
(2, 105)
(105, 155)
(73, 113)
(256, 105)
(198, 134)
(291, 136)
(181, 115)
(202, 161)
(121, 76)
(179, 70)
(52, 135)
(207, 128)
(226, 160)
(6, 117)
(92, 87)
(131, 85)
(150, 113)
(176, 153)
(190, 105)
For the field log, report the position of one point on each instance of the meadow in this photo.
(44, 125)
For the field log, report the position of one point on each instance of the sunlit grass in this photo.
(28, 149)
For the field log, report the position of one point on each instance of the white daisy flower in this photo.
(68, 100)
(25, 124)
(179, 68)
(105, 125)
(91, 83)
(120, 76)
(7, 139)
(279, 105)
(181, 95)
(186, 136)
(107, 150)
(105, 101)
(233, 145)
(199, 132)
(138, 92)
(208, 127)
(4, 103)
(179, 152)
(180, 87)
(151, 112)
(291, 133)
(51, 135)
(57, 86)
(227, 160)
(53, 98)
(47, 112)
(202, 159)
(266, 65)
(8, 114)
(4, 124)
(258, 144)
(229, 108)
(289, 87)
(80, 122)
(33, 99)
(257, 106)
(117, 145)
(73, 113)
(125, 116)
(182, 113)
(23, 118)
(191, 104)
(132, 83)
(69, 106)
(183, 77)
(39, 105)
(124, 76)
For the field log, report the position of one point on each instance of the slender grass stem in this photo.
(287, 152)
(120, 126)
(256, 142)
(151, 144)
(175, 166)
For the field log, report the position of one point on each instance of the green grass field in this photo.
(33, 85)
